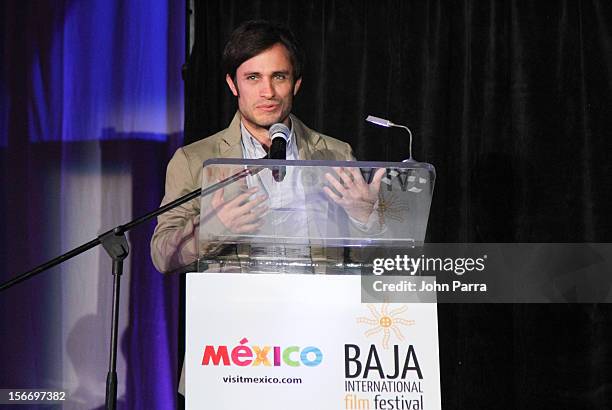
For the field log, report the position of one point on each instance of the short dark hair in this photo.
(254, 36)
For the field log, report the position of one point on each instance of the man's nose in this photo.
(267, 88)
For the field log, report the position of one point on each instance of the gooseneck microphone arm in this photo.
(122, 229)
(386, 123)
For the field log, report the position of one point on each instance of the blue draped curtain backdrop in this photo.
(91, 108)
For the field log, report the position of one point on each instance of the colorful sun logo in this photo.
(385, 322)
(390, 206)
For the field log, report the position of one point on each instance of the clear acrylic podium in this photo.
(274, 317)
(303, 228)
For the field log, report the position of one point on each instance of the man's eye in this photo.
(280, 76)
(252, 77)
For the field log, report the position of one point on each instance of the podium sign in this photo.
(303, 342)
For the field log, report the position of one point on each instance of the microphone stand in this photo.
(116, 245)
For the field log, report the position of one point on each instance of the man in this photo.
(263, 70)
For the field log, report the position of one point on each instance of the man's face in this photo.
(265, 88)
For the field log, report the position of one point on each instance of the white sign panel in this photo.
(304, 342)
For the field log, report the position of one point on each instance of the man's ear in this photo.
(296, 86)
(231, 84)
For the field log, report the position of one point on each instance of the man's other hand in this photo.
(240, 214)
(353, 193)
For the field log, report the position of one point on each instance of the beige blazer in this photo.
(174, 244)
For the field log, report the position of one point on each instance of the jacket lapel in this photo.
(306, 139)
(229, 143)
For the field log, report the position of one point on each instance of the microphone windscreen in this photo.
(279, 130)
(279, 135)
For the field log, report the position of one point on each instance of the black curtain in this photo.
(511, 101)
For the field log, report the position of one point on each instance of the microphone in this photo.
(279, 135)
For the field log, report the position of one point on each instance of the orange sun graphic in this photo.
(385, 322)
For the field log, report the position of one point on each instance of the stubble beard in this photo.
(262, 122)
(250, 115)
